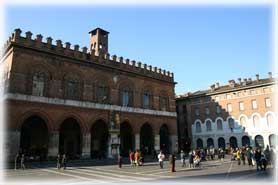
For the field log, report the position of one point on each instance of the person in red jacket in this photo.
(131, 158)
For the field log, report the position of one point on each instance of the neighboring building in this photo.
(234, 115)
(83, 103)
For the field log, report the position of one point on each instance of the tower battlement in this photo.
(92, 56)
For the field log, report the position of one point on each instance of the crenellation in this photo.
(120, 60)
(114, 58)
(16, 35)
(67, 45)
(59, 43)
(28, 35)
(49, 41)
(66, 50)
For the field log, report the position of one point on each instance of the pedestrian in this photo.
(249, 156)
(263, 163)
(238, 156)
(22, 165)
(242, 156)
(58, 161)
(137, 157)
(172, 159)
(182, 158)
(64, 161)
(267, 154)
(191, 157)
(120, 161)
(131, 158)
(154, 155)
(15, 161)
(161, 158)
(258, 157)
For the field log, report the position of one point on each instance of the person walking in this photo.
(191, 159)
(172, 159)
(58, 161)
(242, 156)
(161, 158)
(249, 156)
(182, 158)
(258, 156)
(137, 157)
(131, 158)
(238, 156)
(15, 161)
(22, 165)
(64, 161)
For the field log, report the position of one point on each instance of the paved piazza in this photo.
(210, 171)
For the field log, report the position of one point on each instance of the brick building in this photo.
(234, 115)
(83, 103)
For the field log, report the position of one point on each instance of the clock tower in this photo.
(99, 41)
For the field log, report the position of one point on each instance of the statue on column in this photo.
(115, 120)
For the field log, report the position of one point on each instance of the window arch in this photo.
(243, 121)
(163, 101)
(231, 123)
(126, 97)
(72, 87)
(38, 86)
(102, 92)
(208, 125)
(147, 99)
(219, 124)
(256, 121)
(198, 127)
(270, 120)
(199, 143)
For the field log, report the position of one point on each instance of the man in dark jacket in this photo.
(258, 157)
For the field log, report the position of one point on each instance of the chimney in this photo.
(216, 85)
(257, 77)
(212, 88)
(232, 83)
(245, 81)
(239, 81)
(270, 75)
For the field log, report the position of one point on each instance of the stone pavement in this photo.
(209, 171)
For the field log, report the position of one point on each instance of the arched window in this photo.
(126, 97)
(231, 123)
(269, 119)
(72, 89)
(198, 127)
(219, 125)
(256, 121)
(243, 121)
(208, 125)
(147, 99)
(200, 143)
(259, 141)
(102, 92)
(163, 101)
(38, 84)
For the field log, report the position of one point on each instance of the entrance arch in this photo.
(127, 138)
(259, 141)
(245, 141)
(70, 139)
(99, 139)
(210, 143)
(233, 142)
(221, 143)
(146, 139)
(200, 143)
(164, 138)
(34, 137)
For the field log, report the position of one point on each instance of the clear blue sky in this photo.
(201, 45)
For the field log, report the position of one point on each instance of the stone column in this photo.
(86, 145)
(157, 142)
(137, 141)
(53, 147)
(12, 144)
(113, 145)
(173, 141)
